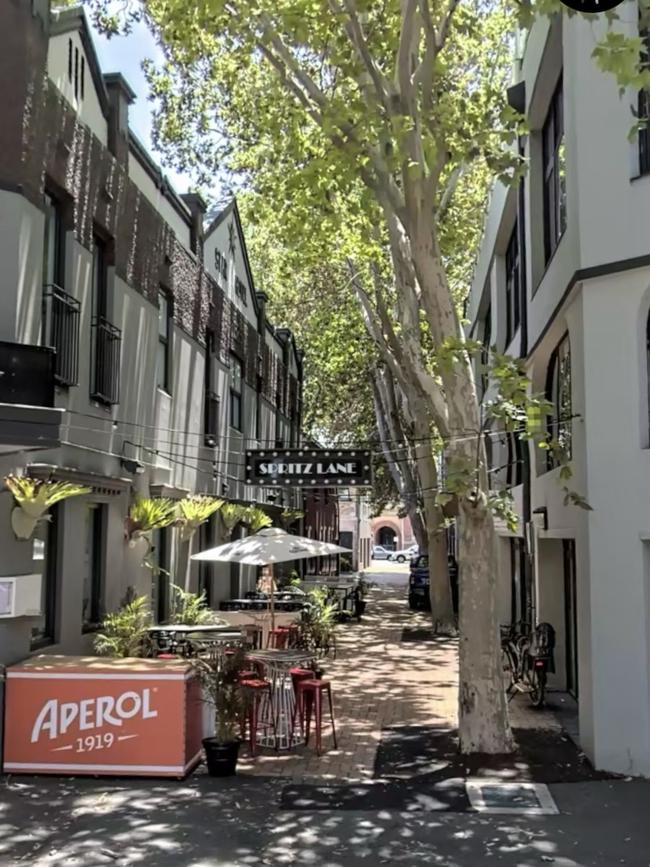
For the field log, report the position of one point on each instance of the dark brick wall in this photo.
(42, 142)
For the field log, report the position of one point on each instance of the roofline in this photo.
(68, 20)
(233, 208)
(158, 177)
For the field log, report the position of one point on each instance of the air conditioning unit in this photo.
(20, 596)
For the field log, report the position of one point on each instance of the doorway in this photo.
(387, 538)
(570, 616)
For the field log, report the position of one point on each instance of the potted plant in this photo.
(219, 678)
(125, 632)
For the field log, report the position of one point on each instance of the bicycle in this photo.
(525, 659)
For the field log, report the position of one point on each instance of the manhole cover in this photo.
(494, 796)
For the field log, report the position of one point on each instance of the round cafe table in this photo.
(278, 665)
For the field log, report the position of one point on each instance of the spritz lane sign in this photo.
(322, 468)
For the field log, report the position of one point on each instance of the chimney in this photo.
(197, 208)
(262, 298)
(120, 97)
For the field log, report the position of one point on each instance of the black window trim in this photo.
(553, 233)
(100, 517)
(166, 339)
(513, 284)
(236, 394)
(555, 422)
(51, 578)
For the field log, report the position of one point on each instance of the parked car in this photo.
(418, 592)
(380, 553)
(405, 554)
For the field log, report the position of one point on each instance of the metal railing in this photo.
(61, 318)
(107, 342)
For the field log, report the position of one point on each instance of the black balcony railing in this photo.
(62, 333)
(107, 342)
(26, 374)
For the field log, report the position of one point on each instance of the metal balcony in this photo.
(61, 318)
(107, 343)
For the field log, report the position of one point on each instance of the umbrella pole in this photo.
(272, 600)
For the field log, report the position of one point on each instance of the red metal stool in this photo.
(166, 656)
(256, 689)
(277, 638)
(297, 677)
(310, 696)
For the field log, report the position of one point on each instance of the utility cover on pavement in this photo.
(495, 796)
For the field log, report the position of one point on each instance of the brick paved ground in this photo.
(378, 681)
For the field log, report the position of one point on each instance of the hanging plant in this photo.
(290, 516)
(256, 519)
(33, 498)
(231, 515)
(194, 511)
(146, 515)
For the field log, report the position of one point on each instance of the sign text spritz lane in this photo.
(322, 468)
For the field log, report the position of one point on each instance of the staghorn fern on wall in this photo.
(194, 511)
(33, 498)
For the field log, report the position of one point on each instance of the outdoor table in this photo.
(278, 665)
(184, 640)
(95, 715)
(237, 619)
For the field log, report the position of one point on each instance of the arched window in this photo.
(558, 393)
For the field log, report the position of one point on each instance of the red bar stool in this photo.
(255, 690)
(166, 656)
(310, 696)
(277, 638)
(297, 677)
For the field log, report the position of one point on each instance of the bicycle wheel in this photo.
(537, 681)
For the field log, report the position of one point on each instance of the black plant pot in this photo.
(221, 759)
(359, 608)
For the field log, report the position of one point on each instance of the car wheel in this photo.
(401, 559)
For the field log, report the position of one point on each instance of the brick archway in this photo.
(385, 531)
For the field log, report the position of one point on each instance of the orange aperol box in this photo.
(90, 715)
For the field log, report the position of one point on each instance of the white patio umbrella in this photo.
(267, 547)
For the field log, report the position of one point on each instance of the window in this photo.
(163, 364)
(258, 408)
(160, 575)
(236, 378)
(513, 286)
(554, 157)
(240, 289)
(558, 393)
(515, 460)
(206, 540)
(211, 398)
(100, 278)
(53, 243)
(93, 565)
(83, 77)
(221, 265)
(70, 54)
(44, 553)
(485, 354)
(644, 108)
(76, 73)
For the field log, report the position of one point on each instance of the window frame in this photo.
(97, 565)
(50, 579)
(100, 278)
(53, 209)
(554, 192)
(513, 284)
(211, 399)
(556, 426)
(259, 387)
(236, 396)
(165, 340)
